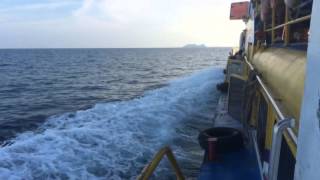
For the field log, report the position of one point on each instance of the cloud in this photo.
(123, 11)
(36, 6)
(16, 12)
(181, 21)
(122, 23)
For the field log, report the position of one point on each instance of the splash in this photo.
(115, 140)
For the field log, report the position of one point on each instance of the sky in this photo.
(116, 23)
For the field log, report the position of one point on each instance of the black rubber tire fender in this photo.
(227, 139)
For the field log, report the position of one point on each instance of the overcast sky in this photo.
(116, 23)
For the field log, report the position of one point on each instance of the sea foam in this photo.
(115, 140)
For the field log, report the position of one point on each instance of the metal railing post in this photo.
(151, 167)
(278, 130)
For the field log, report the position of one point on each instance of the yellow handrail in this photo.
(149, 169)
(304, 18)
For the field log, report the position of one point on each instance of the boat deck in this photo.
(222, 118)
(232, 166)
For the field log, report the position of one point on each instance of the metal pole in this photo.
(279, 114)
(278, 130)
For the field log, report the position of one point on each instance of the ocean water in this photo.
(104, 113)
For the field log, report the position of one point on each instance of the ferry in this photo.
(267, 124)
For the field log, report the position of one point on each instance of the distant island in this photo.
(195, 46)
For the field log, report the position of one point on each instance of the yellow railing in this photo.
(286, 25)
(298, 20)
(150, 168)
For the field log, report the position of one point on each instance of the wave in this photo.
(115, 140)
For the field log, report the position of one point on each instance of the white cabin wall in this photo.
(308, 155)
(250, 27)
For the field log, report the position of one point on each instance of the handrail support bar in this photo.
(278, 131)
(151, 167)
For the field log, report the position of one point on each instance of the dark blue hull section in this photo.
(232, 166)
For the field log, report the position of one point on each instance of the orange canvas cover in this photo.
(239, 10)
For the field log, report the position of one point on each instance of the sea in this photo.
(104, 113)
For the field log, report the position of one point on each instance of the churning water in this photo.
(104, 113)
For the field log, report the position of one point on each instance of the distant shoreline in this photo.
(198, 46)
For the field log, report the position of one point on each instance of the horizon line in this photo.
(177, 47)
